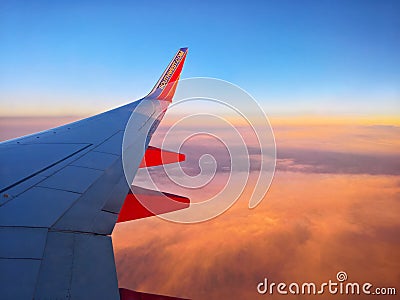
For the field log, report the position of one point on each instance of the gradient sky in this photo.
(308, 57)
(334, 202)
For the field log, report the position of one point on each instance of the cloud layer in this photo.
(333, 206)
(309, 227)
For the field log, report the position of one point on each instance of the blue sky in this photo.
(294, 57)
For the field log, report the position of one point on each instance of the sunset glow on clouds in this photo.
(333, 206)
(308, 228)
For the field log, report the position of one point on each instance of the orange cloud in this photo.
(333, 206)
(308, 228)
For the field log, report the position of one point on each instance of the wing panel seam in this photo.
(44, 169)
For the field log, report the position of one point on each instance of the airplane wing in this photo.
(61, 192)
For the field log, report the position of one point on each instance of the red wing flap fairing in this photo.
(142, 203)
(155, 156)
(126, 294)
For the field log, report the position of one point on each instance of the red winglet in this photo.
(166, 85)
(154, 203)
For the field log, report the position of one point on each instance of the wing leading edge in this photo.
(61, 192)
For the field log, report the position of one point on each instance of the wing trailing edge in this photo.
(142, 203)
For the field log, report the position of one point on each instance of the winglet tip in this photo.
(166, 85)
